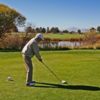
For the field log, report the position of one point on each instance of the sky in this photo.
(58, 13)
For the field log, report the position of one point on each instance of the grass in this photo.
(63, 36)
(56, 35)
(81, 69)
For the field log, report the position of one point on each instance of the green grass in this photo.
(81, 69)
(63, 36)
(58, 35)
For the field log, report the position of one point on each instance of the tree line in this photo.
(30, 29)
(10, 20)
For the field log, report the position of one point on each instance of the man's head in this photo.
(39, 37)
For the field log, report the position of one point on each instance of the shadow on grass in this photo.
(71, 87)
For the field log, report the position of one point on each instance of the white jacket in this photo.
(31, 49)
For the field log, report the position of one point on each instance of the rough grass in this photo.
(81, 69)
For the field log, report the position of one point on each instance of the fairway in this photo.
(63, 36)
(80, 68)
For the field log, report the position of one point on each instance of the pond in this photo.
(60, 44)
(68, 44)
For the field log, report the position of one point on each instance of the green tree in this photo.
(43, 30)
(65, 31)
(98, 28)
(54, 30)
(37, 30)
(9, 18)
(48, 30)
(79, 31)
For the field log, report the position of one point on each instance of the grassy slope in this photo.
(80, 68)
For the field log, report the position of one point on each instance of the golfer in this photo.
(29, 50)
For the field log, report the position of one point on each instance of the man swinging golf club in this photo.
(29, 50)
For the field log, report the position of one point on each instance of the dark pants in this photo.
(29, 68)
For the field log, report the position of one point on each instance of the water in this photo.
(68, 44)
(61, 44)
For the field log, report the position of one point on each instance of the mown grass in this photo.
(55, 35)
(63, 36)
(81, 69)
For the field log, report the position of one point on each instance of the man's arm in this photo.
(36, 52)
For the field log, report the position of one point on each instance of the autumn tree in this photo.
(91, 36)
(9, 18)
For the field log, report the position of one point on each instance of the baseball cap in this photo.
(39, 35)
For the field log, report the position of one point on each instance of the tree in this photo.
(54, 30)
(79, 31)
(9, 18)
(98, 28)
(65, 31)
(48, 30)
(37, 30)
(28, 30)
(13, 29)
(91, 36)
(43, 30)
(92, 30)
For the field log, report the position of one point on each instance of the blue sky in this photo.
(60, 13)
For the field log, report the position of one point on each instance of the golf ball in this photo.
(9, 78)
(63, 82)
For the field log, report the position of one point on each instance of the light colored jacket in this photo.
(31, 49)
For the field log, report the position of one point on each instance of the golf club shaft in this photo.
(51, 72)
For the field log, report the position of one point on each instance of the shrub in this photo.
(11, 42)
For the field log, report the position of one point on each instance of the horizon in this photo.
(64, 14)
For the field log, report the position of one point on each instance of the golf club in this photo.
(61, 81)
